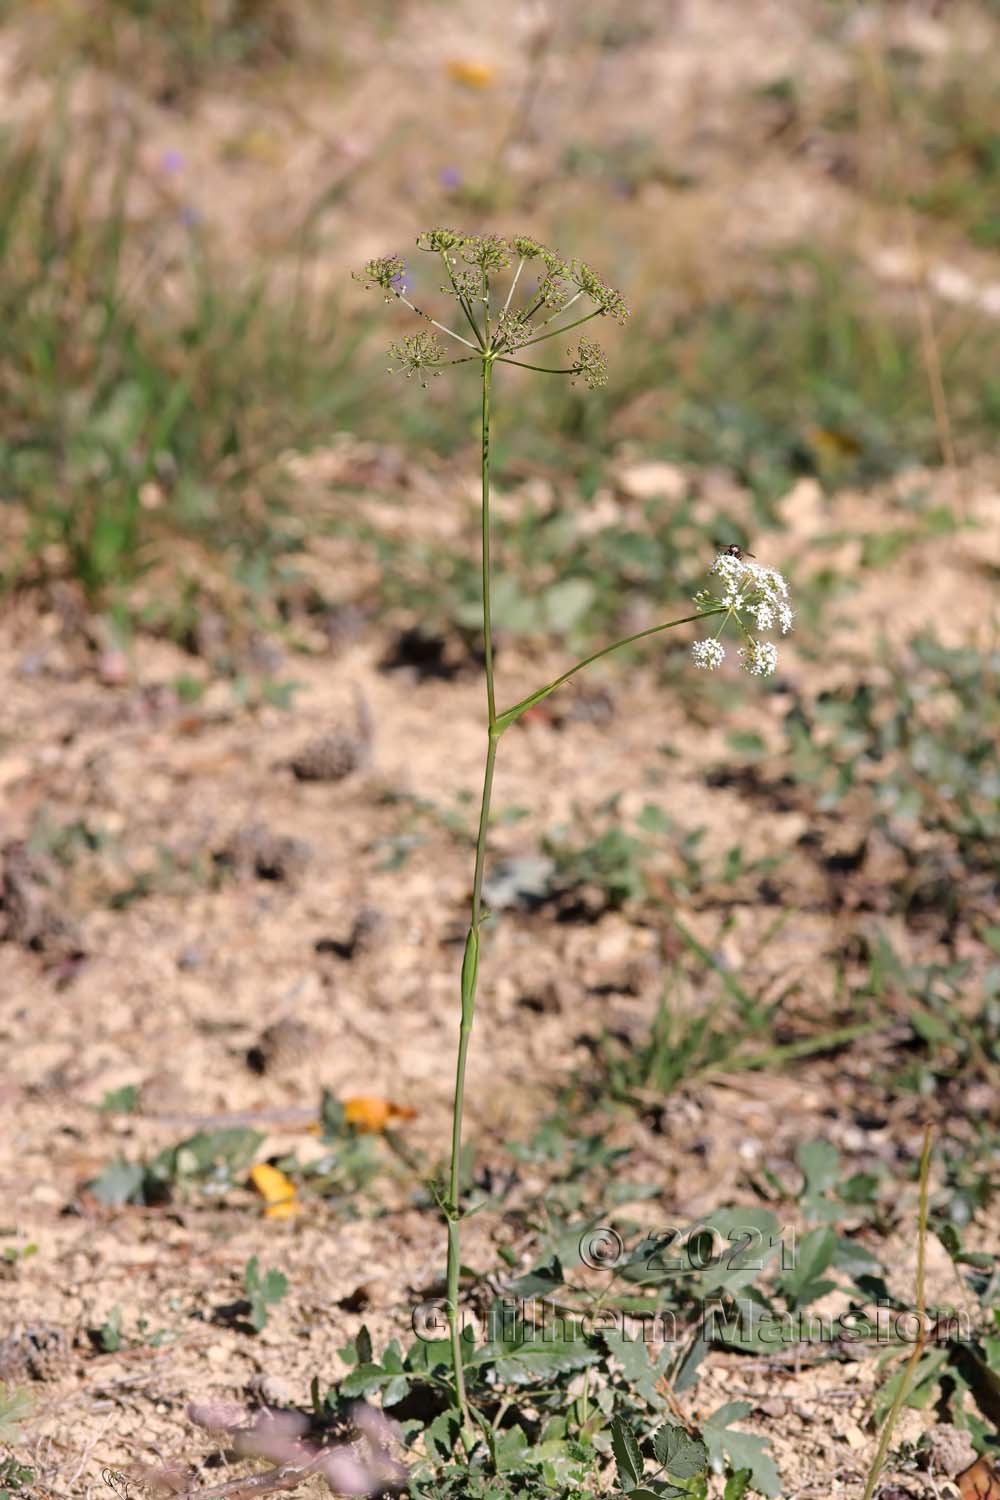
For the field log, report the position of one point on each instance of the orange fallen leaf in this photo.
(470, 71)
(367, 1112)
(277, 1191)
(979, 1482)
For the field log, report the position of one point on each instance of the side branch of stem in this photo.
(511, 715)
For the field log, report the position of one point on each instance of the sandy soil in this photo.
(152, 943)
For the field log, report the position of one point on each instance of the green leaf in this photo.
(511, 1450)
(262, 1291)
(427, 1356)
(743, 1449)
(855, 1259)
(229, 1150)
(537, 1356)
(111, 1331)
(470, 969)
(747, 741)
(814, 1252)
(655, 1490)
(364, 1380)
(820, 1163)
(443, 1433)
(565, 603)
(737, 1485)
(687, 1371)
(15, 1408)
(119, 1184)
(749, 1241)
(680, 1454)
(627, 1455)
(122, 1101)
(274, 1286)
(639, 1368)
(542, 1281)
(653, 819)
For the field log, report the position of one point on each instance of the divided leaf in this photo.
(679, 1453)
(743, 1449)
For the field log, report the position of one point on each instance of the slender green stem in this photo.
(463, 303)
(487, 570)
(555, 332)
(470, 963)
(560, 310)
(511, 715)
(513, 283)
(543, 369)
(421, 314)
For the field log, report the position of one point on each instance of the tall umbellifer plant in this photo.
(545, 297)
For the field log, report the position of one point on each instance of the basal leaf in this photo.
(743, 1449)
(678, 1452)
(814, 1253)
(627, 1455)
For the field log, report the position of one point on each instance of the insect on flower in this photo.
(751, 597)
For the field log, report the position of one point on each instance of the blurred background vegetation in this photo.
(804, 210)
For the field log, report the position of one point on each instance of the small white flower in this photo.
(755, 597)
(730, 569)
(759, 658)
(708, 654)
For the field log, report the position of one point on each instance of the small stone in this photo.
(39, 1353)
(113, 668)
(285, 1044)
(331, 757)
(30, 902)
(254, 851)
(217, 1416)
(335, 755)
(545, 1000)
(363, 1296)
(653, 481)
(951, 1451)
(273, 1390)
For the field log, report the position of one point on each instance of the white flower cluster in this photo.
(708, 654)
(757, 599)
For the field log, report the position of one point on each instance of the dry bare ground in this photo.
(177, 895)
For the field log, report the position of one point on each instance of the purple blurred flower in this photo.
(398, 282)
(450, 179)
(171, 163)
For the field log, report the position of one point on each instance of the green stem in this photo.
(462, 302)
(511, 715)
(564, 329)
(542, 369)
(487, 571)
(470, 962)
(421, 314)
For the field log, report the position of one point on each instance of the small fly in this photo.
(732, 550)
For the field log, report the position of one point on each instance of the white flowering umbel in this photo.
(755, 598)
